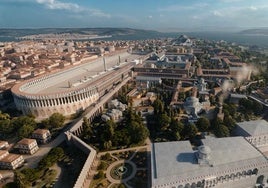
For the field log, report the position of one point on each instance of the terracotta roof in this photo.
(2, 152)
(10, 158)
(40, 131)
(26, 141)
(3, 143)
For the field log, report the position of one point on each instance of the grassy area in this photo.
(99, 183)
(140, 160)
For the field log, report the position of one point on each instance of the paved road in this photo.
(32, 160)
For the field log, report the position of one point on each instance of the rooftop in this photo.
(254, 128)
(177, 161)
(2, 152)
(26, 141)
(10, 158)
(40, 131)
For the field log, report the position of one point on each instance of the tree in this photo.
(222, 131)
(176, 128)
(54, 155)
(246, 104)
(137, 132)
(257, 108)
(107, 144)
(203, 124)
(108, 131)
(30, 174)
(176, 125)
(190, 130)
(25, 131)
(56, 120)
(20, 180)
(158, 107)
(23, 120)
(102, 166)
(230, 122)
(4, 116)
(87, 132)
(121, 138)
(100, 175)
(163, 121)
(5, 127)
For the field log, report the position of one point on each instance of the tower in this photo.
(104, 64)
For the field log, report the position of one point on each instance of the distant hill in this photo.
(93, 31)
(262, 31)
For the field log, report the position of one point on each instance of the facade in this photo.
(11, 161)
(217, 163)
(71, 90)
(41, 135)
(27, 146)
(256, 132)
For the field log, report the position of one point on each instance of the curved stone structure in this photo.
(72, 90)
(43, 105)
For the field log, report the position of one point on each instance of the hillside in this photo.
(82, 31)
(262, 31)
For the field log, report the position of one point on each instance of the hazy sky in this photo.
(161, 15)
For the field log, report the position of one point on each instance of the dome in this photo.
(192, 105)
(204, 149)
(192, 100)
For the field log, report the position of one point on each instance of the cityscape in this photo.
(134, 95)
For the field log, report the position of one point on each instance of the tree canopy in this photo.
(203, 124)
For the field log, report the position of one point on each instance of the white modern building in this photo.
(220, 162)
(256, 132)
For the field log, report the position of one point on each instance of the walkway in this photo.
(114, 181)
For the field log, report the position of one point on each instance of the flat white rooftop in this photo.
(177, 161)
(254, 128)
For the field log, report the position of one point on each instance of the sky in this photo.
(161, 15)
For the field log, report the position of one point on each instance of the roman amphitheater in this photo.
(74, 89)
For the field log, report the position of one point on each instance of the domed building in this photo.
(192, 106)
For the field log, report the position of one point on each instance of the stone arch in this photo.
(199, 184)
(249, 172)
(187, 185)
(260, 179)
(232, 176)
(193, 185)
(226, 177)
(255, 171)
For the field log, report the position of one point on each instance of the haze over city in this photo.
(168, 15)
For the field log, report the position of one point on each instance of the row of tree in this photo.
(27, 176)
(23, 126)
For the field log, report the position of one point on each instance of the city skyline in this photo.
(169, 15)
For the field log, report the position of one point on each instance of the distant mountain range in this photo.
(91, 31)
(262, 31)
